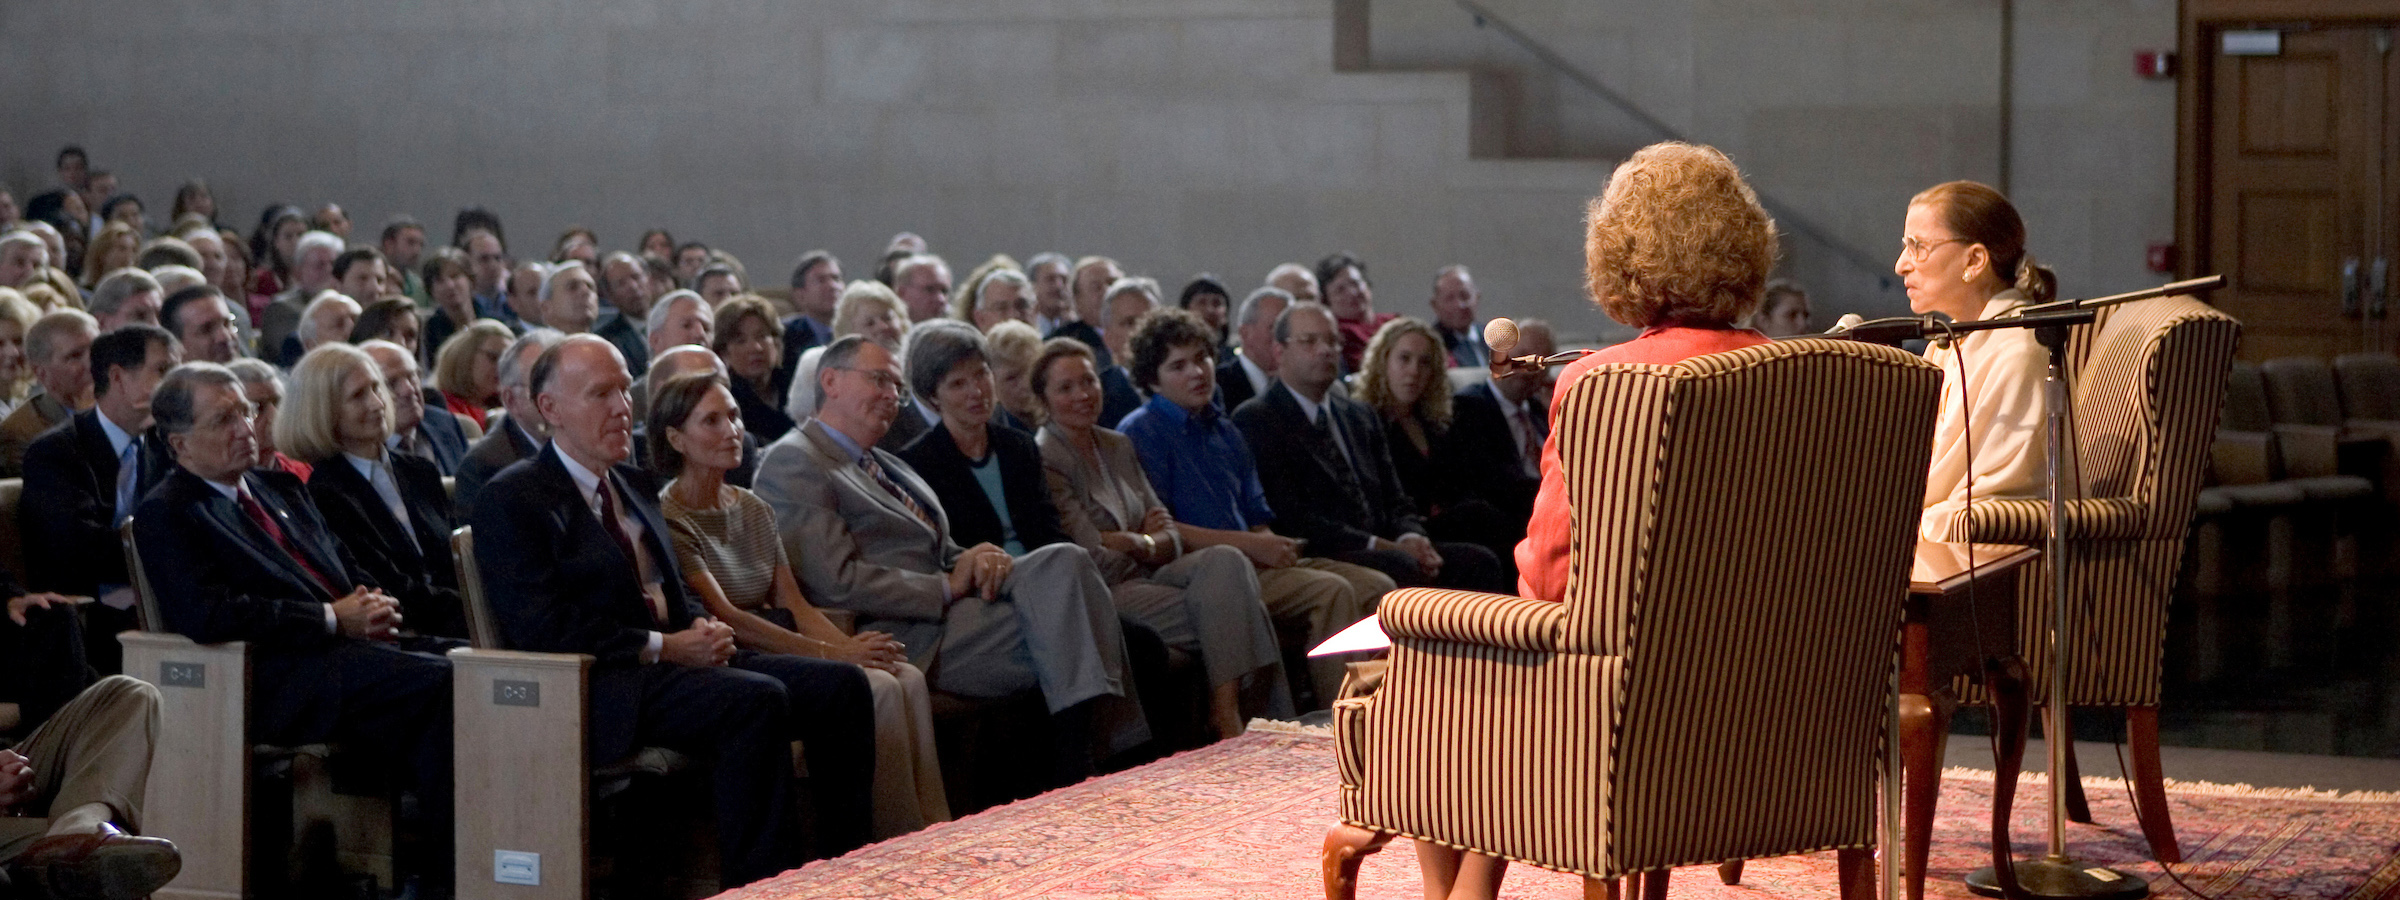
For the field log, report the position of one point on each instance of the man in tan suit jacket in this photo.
(59, 347)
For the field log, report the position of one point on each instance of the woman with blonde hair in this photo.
(467, 369)
(16, 372)
(1405, 377)
(114, 248)
(1962, 254)
(867, 308)
(732, 557)
(1013, 346)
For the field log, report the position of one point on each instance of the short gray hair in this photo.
(902, 269)
(1051, 258)
(1131, 284)
(1002, 276)
(317, 240)
(41, 340)
(254, 371)
(551, 273)
(1250, 304)
(116, 288)
(1283, 323)
(657, 319)
(837, 356)
(172, 406)
(935, 347)
(27, 237)
(307, 331)
(514, 371)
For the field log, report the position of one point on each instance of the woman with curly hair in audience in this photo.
(733, 557)
(1405, 378)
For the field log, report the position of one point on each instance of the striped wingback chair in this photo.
(1714, 685)
(2146, 401)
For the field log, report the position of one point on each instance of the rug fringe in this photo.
(1278, 726)
(2202, 788)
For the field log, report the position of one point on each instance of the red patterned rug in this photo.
(1243, 819)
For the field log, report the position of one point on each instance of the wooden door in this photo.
(2296, 180)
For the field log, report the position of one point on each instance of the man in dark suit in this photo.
(1249, 371)
(816, 289)
(1499, 430)
(430, 433)
(578, 560)
(85, 476)
(624, 286)
(240, 554)
(518, 435)
(1328, 473)
(1123, 304)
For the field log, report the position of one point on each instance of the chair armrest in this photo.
(2242, 457)
(2310, 450)
(2028, 521)
(1472, 617)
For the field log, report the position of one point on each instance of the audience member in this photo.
(578, 560)
(1455, 301)
(202, 322)
(274, 252)
(816, 291)
(403, 245)
(1003, 295)
(657, 242)
(689, 259)
(1201, 467)
(125, 297)
(73, 777)
(164, 251)
(262, 385)
(467, 371)
(487, 260)
(17, 316)
(716, 284)
(59, 346)
(525, 294)
(1324, 464)
(471, 219)
(387, 509)
(84, 477)
(9, 213)
(1501, 426)
(1460, 480)
(74, 174)
(866, 308)
(21, 255)
(126, 210)
(115, 247)
(518, 434)
(210, 247)
(1053, 304)
(236, 283)
(923, 283)
(1088, 286)
(393, 319)
(1352, 300)
(361, 274)
(579, 244)
(450, 283)
(173, 278)
(195, 199)
(330, 218)
(747, 338)
(868, 535)
(1122, 307)
(693, 359)
(726, 541)
(678, 318)
(1250, 370)
(624, 285)
(569, 298)
(1294, 279)
(311, 274)
(251, 560)
(433, 435)
(1013, 346)
(1205, 296)
(327, 319)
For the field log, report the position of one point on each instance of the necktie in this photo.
(875, 471)
(129, 471)
(1324, 423)
(258, 516)
(616, 532)
(1529, 446)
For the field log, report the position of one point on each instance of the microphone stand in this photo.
(2054, 876)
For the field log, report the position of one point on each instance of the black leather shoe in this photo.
(107, 865)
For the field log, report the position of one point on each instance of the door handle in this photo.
(2376, 285)
(2350, 288)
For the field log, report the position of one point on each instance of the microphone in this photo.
(1501, 335)
(1846, 322)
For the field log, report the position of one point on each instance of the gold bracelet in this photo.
(1149, 544)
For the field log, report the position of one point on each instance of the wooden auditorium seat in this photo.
(1590, 736)
(520, 723)
(12, 542)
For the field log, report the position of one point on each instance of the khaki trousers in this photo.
(95, 750)
(1319, 598)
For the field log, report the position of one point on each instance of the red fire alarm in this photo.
(2161, 258)
(2154, 64)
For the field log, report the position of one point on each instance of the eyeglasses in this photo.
(1916, 249)
(884, 380)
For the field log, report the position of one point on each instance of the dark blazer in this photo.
(1484, 454)
(219, 577)
(558, 582)
(67, 514)
(1315, 494)
(799, 336)
(1118, 396)
(441, 432)
(1083, 331)
(936, 457)
(621, 331)
(500, 447)
(907, 426)
(1233, 384)
(412, 564)
(760, 416)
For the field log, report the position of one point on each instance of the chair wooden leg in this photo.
(1857, 867)
(2149, 782)
(1730, 871)
(1654, 884)
(2079, 809)
(1600, 889)
(1924, 734)
(1346, 846)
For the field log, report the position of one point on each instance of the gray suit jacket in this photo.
(852, 544)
